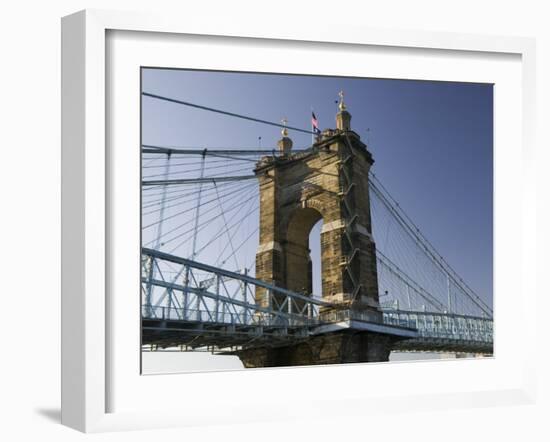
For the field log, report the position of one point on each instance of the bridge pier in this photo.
(334, 348)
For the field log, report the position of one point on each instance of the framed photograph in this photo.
(322, 215)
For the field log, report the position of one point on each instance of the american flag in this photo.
(315, 123)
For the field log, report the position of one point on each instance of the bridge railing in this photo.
(443, 326)
(203, 293)
(206, 317)
(347, 314)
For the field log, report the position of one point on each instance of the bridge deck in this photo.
(195, 333)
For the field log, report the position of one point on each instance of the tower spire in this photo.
(285, 143)
(343, 117)
(341, 104)
(284, 132)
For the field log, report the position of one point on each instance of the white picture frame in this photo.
(87, 356)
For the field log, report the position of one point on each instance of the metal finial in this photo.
(341, 104)
(284, 132)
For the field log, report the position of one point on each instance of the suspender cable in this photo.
(159, 233)
(194, 246)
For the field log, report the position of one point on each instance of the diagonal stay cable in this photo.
(219, 111)
(153, 149)
(204, 224)
(415, 233)
(182, 170)
(235, 194)
(181, 203)
(233, 225)
(197, 180)
(186, 195)
(151, 196)
(235, 231)
(243, 242)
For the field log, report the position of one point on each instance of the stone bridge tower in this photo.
(329, 181)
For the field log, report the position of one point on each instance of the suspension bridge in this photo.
(227, 266)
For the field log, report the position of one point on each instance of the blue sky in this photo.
(432, 141)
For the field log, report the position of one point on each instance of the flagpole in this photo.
(312, 128)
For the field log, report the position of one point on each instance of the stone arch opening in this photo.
(299, 265)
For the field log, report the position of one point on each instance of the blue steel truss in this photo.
(216, 309)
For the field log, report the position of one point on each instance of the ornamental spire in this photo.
(343, 117)
(285, 143)
(284, 132)
(341, 104)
